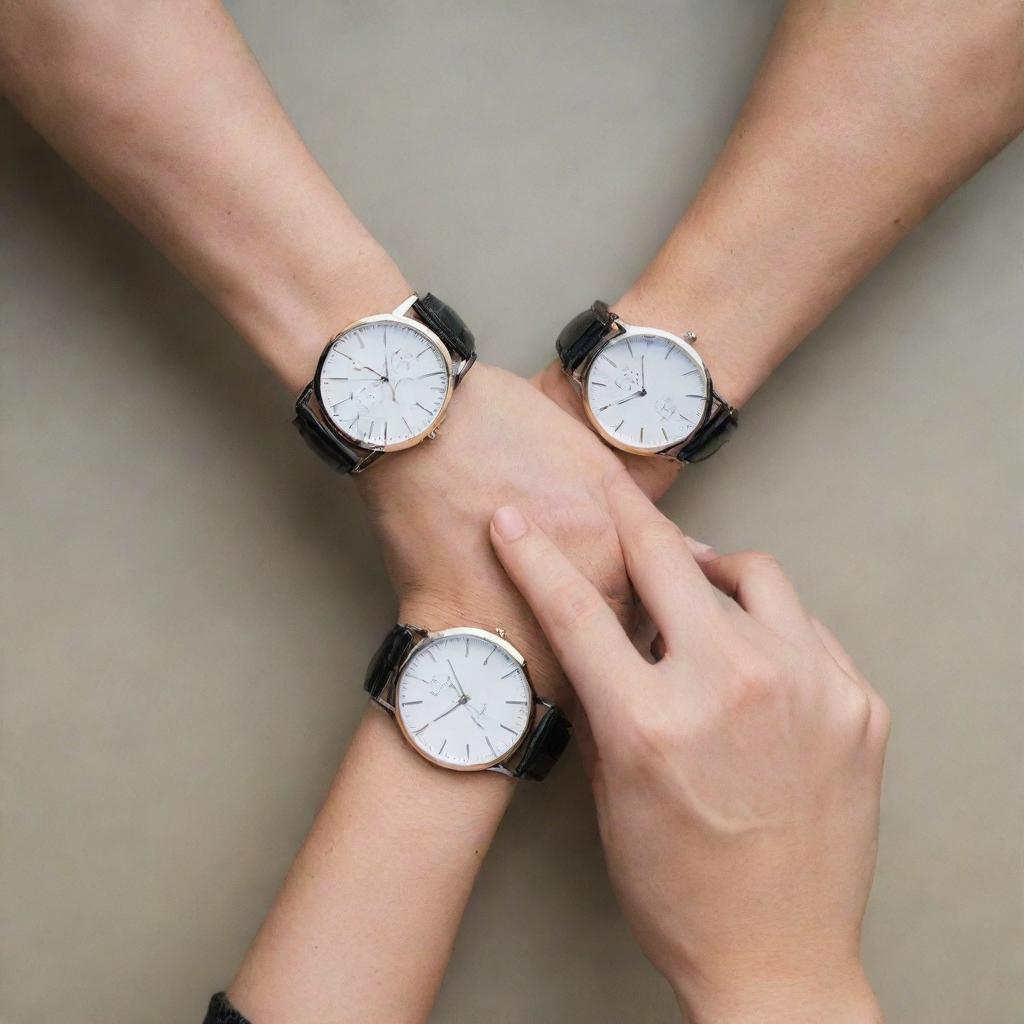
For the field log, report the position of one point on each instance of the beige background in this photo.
(189, 599)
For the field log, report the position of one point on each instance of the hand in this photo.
(502, 442)
(736, 780)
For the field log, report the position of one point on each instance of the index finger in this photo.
(583, 631)
(660, 563)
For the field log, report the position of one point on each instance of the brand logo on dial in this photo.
(463, 701)
(384, 383)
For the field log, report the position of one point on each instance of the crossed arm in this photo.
(863, 117)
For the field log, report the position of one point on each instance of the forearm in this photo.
(163, 108)
(364, 926)
(864, 117)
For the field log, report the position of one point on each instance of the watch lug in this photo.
(405, 306)
(461, 368)
(367, 460)
(575, 378)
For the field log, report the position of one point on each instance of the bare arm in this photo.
(165, 111)
(863, 118)
(162, 107)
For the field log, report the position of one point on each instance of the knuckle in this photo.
(572, 604)
(881, 717)
(853, 710)
(756, 679)
(759, 563)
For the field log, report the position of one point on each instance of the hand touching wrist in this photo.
(502, 442)
(653, 474)
(737, 782)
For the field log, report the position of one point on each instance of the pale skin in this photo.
(176, 125)
(736, 780)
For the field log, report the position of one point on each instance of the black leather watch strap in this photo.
(221, 1011)
(583, 333)
(381, 670)
(322, 439)
(714, 432)
(544, 746)
(447, 325)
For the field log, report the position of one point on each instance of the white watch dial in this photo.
(646, 391)
(384, 383)
(463, 701)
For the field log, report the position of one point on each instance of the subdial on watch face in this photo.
(646, 392)
(384, 383)
(463, 701)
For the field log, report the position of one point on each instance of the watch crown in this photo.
(500, 632)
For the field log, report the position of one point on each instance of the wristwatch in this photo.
(463, 700)
(384, 383)
(644, 390)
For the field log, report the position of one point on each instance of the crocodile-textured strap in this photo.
(718, 428)
(544, 746)
(583, 333)
(447, 325)
(381, 670)
(322, 439)
(222, 1012)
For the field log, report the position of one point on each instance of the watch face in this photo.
(463, 700)
(646, 391)
(384, 383)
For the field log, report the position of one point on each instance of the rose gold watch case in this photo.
(498, 641)
(627, 331)
(390, 318)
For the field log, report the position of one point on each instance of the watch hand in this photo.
(622, 401)
(643, 373)
(457, 704)
(376, 373)
(456, 678)
(387, 372)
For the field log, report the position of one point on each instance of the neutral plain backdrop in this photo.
(189, 598)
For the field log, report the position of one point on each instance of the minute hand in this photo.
(622, 401)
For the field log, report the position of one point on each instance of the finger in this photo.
(582, 630)
(838, 652)
(756, 582)
(659, 562)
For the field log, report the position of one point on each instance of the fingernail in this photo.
(509, 523)
(701, 551)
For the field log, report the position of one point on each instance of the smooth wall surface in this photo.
(188, 598)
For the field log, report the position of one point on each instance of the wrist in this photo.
(840, 995)
(699, 283)
(289, 309)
